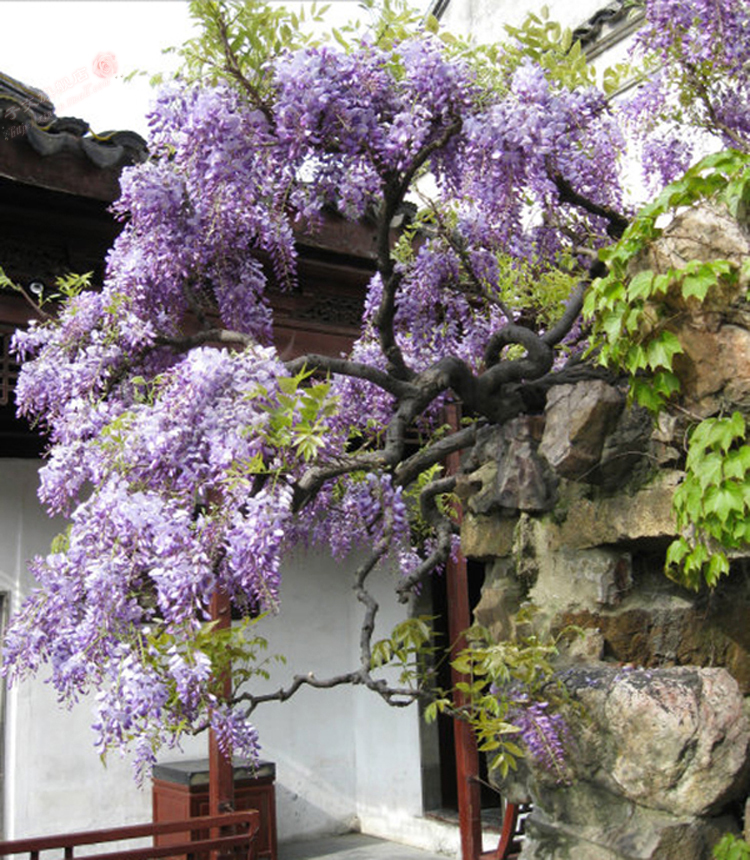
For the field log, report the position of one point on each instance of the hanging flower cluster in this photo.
(186, 453)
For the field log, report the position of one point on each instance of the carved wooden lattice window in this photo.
(8, 368)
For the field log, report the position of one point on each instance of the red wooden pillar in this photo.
(467, 755)
(220, 768)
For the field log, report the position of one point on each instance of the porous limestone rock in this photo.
(654, 756)
(586, 518)
(518, 479)
(486, 537)
(583, 518)
(657, 624)
(573, 512)
(714, 369)
(578, 419)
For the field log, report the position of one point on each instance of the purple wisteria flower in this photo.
(546, 737)
(182, 465)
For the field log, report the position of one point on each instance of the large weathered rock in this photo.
(706, 232)
(657, 625)
(663, 749)
(656, 754)
(513, 476)
(578, 419)
(589, 519)
(583, 518)
(486, 537)
(637, 834)
(679, 738)
(715, 367)
(630, 451)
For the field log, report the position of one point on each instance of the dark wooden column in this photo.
(220, 767)
(467, 755)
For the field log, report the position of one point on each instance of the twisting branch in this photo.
(395, 189)
(509, 334)
(397, 696)
(424, 389)
(478, 394)
(572, 310)
(357, 369)
(617, 222)
(208, 336)
(575, 371)
(411, 468)
(444, 531)
(367, 628)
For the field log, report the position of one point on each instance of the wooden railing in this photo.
(235, 837)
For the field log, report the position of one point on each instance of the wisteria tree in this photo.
(190, 457)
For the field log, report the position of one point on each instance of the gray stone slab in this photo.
(353, 846)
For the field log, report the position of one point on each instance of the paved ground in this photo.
(353, 846)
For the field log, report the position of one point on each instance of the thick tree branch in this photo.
(570, 374)
(395, 189)
(366, 599)
(444, 531)
(185, 343)
(357, 369)
(509, 334)
(398, 696)
(426, 387)
(617, 222)
(411, 468)
(479, 395)
(572, 311)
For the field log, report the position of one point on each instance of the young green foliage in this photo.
(731, 847)
(630, 317)
(410, 649)
(712, 504)
(502, 679)
(552, 46)
(238, 39)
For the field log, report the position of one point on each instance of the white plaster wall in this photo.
(311, 737)
(389, 766)
(329, 746)
(54, 780)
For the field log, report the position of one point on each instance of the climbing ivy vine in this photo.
(632, 313)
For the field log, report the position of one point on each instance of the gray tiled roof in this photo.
(615, 12)
(30, 111)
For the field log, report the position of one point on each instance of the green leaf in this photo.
(641, 286)
(646, 396)
(698, 284)
(710, 470)
(677, 551)
(635, 359)
(722, 502)
(666, 383)
(718, 566)
(661, 350)
(611, 322)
